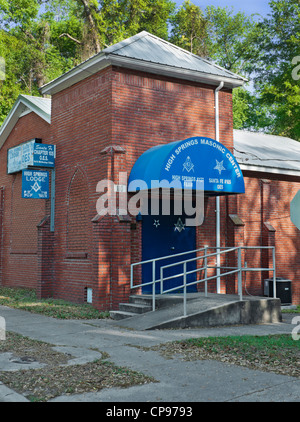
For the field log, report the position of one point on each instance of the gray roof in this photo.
(43, 105)
(23, 105)
(148, 53)
(149, 48)
(257, 151)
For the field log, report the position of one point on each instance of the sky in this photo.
(247, 6)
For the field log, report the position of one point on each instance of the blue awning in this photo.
(196, 163)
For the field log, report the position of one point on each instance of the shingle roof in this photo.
(148, 53)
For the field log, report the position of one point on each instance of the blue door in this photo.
(164, 235)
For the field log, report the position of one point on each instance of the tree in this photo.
(15, 19)
(189, 29)
(10, 87)
(31, 58)
(276, 81)
(40, 45)
(249, 113)
(149, 15)
(20, 21)
(109, 21)
(18, 13)
(230, 44)
(230, 39)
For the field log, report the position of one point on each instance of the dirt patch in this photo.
(24, 347)
(284, 362)
(56, 378)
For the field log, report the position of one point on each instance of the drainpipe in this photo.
(218, 237)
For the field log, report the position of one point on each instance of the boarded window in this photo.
(78, 214)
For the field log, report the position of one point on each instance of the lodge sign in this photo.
(35, 184)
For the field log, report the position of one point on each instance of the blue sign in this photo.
(20, 157)
(30, 154)
(35, 184)
(44, 155)
(196, 163)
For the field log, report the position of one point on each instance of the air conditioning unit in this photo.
(283, 289)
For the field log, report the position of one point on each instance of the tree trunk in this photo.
(92, 25)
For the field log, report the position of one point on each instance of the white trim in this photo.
(174, 72)
(21, 107)
(25, 112)
(97, 63)
(75, 75)
(273, 170)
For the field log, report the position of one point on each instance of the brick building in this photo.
(102, 117)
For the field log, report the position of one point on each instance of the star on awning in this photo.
(219, 166)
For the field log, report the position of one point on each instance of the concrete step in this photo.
(161, 301)
(136, 308)
(142, 304)
(141, 299)
(119, 315)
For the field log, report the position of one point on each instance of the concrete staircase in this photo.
(140, 304)
(213, 310)
(137, 305)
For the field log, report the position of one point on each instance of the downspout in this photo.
(218, 235)
(112, 174)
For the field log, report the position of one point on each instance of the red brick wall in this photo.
(45, 259)
(20, 217)
(81, 128)
(2, 191)
(148, 111)
(78, 226)
(135, 111)
(267, 200)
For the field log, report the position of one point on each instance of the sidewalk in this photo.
(179, 381)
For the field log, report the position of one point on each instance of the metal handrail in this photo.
(222, 250)
(153, 261)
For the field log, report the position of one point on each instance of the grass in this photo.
(272, 353)
(26, 300)
(291, 311)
